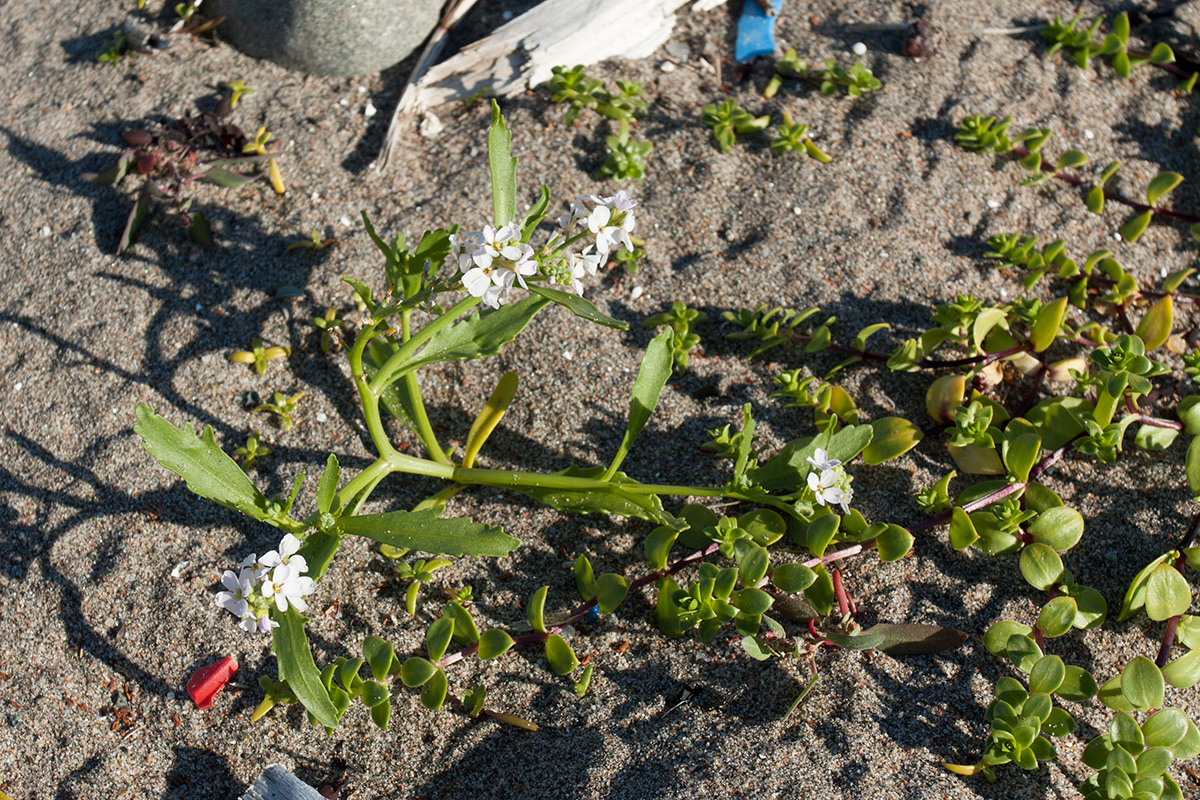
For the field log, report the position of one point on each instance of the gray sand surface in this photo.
(92, 618)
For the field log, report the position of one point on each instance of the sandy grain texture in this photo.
(92, 619)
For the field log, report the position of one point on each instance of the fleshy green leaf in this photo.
(610, 592)
(1045, 327)
(417, 671)
(433, 694)
(893, 543)
(297, 668)
(1135, 226)
(466, 632)
(1163, 183)
(1047, 675)
(1095, 199)
(1071, 158)
(647, 387)
(1060, 528)
(560, 655)
(658, 545)
(427, 531)
(1167, 593)
(503, 170)
(579, 306)
(1041, 566)
(535, 611)
(611, 499)
(327, 487)
(379, 654)
(910, 639)
(1183, 672)
(208, 471)
(1142, 684)
(892, 437)
(793, 577)
(962, 530)
(494, 643)
(1155, 327)
(585, 579)
(437, 638)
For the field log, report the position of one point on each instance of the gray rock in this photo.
(327, 37)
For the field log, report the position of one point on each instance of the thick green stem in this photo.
(424, 429)
(409, 349)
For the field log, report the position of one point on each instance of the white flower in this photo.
(239, 586)
(847, 496)
(250, 623)
(287, 587)
(608, 235)
(621, 201)
(821, 460)
(825, 493)
(584, 264)
(286, 554)
(252, 561)
(462, 248)
(578, 212)
(489, 282)
(497, 241)
(524, 264)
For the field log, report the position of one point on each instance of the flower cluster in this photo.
(610, 220)
(829, 483)
(276, 577)
(493, 259)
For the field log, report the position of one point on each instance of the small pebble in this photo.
(177, 572)
(431, 126)
(993, 204)
(568, 355)
(199, 307)
(316, 197)
(1088, 134)
(796, 210)
(321, 416)
(1162, 272)
(362, 90)
(1116, 236)
(678, 50)
(345, 221)
(46, 230)
(859, 49)
(343, 102)
(637, 292)
(369, 110)
(170, 695)
(667, 66)
(506, 15)
(17, 386)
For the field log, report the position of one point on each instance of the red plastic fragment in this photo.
(208, 680)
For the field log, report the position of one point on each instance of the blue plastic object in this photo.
(756, 31)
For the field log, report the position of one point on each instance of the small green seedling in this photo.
(314, 243)
(331, 329)
(283, 406)
(418, 572)
(117, 47)
(729, 121)
(625, 158)
(794, 137)
(251, 451)
(237, 90)
(259, 355)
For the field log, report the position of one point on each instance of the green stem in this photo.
(406, 352)
(368, 399)
(424, 429)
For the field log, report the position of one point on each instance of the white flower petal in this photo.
(477, 282)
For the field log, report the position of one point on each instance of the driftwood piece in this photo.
(521, 53)
(276, 783)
